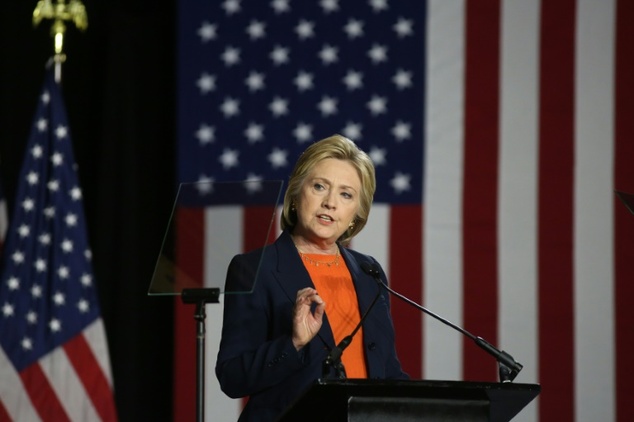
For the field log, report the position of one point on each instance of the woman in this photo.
(310, 291)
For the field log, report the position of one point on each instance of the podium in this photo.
(401, 400)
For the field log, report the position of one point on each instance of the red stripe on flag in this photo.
(406, 276)
(258, 231)
(4, 414)
(92, 377)
(555, 211)
(258, 227)
(189, 255)
(623, 220)
(43, 397)
(481, 185)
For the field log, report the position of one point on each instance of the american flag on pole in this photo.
(54, 363)
(499, 129)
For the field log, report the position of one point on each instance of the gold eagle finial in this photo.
(61, 11)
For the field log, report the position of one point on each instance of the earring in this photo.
(293, 206)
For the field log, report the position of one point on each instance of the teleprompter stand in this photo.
(200, 297)
(381, 400)
(203, 220)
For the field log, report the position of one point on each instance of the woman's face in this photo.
(328, 201)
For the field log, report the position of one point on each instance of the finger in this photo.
(319, 311)
(306, 291)
(316, 298)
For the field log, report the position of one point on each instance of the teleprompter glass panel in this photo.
(210, 223)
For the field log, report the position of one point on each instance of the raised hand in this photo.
(307, 322)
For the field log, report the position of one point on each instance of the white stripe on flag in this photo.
(12, 393)
(594, 248)
(517, 225)
(374, 239)
(68, 387)
(223, 240)
(443, 188)
(95, 335)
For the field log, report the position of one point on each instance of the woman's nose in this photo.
(328, 201)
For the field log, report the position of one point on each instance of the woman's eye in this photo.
(346, 195)
(318, 186)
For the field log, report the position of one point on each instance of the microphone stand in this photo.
(508, 368)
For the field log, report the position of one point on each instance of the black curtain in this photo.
(120, 93)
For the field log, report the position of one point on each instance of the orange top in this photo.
(334, 285)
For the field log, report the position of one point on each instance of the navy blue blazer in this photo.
(257, 357)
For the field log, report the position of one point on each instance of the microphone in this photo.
(507, 366)
(333, 360)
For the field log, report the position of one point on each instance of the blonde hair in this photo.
(340, 148)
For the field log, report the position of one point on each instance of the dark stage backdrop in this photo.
(119, 88)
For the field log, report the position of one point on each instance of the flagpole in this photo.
(59, 12)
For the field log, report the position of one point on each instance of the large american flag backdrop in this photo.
(54, 363)
(499, 130)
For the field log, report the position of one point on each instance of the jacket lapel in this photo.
(292, 276)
